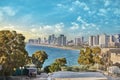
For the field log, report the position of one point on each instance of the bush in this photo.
(46, 69)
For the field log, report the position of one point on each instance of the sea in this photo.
(54, 53)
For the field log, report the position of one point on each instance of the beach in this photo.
(54, 46)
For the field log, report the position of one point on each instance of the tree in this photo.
(39, 57)
(12, 51)
(61, 61)
(54, 67)
(90, 56)
(58, 63)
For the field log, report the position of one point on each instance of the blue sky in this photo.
(39, 18)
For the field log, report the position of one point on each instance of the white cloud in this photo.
(75, 26)
(102, 12)
(9, 11)
(117, 11)
(85, 25)
(1, 16)
(71, 9)
(27, 18)
(34, 30)
(86, 8)
(106, 2)
(11, 27)
(60, 5)
(79, 18)
(81, 5)
(45, 30)
(6, 10)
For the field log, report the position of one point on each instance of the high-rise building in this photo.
(39, 40)
(90, 40)
(97, 40)
(103, 40)
(51, 39)
(33, 41)
(62, 40)
(94, 40)
(79, 41)
(117, 38)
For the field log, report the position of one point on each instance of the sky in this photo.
(73, 18)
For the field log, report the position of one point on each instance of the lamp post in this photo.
(0, 67)
(21, 71)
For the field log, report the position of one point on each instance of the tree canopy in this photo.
(58, 63)
(39, 57)
(12, 51)
(90, 56)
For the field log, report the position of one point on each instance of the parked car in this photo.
(114, 70)
(32, 72)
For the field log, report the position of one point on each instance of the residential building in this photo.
(103, 40)
(90, 40)
(79, 41)
(62, 40)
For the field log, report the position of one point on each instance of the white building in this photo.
(103, 40)
(90, 40)
(79, 41)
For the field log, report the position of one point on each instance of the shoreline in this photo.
(52, 46)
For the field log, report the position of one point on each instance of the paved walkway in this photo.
(67, 75)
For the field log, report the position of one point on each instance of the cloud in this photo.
(60, 5)
(106, 3)
(11, 27)
(1, 16)
(34, 30)
(71, 9)
(102, 12)
(85, 25)
(26, 18)
(79, 18)
(81, 5)
(75, 5)
(117, 11)
(45, 30)
(75, 26)
(8, 10)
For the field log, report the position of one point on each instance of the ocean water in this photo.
(53, 53)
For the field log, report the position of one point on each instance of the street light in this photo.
(21, 71)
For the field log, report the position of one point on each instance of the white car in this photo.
(114, 70)
(32, 72)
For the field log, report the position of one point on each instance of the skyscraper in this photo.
(62, 40)
(51, 39)
(79, 41)
(90, 40)
(103, 40)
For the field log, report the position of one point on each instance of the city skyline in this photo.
(103, 40)
(35, 18)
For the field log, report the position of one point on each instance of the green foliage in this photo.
(61, 61)
(57, 65)
(12, 51)
(39, 57)
(46, 69)
(90, 56)
(54, 67)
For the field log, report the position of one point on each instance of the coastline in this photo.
(52, 46)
